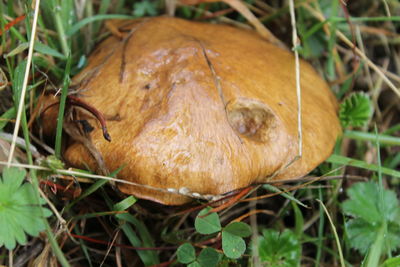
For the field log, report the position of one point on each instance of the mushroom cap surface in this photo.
(201, 108)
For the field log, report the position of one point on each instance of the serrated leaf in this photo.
(13, 177)
(368, 216)
(20, 210)
(361, 234)
(209, 224)
(279, 249)
(365, 202)
(356, 110)
(232, 245)
(239, 229)
(208, 257)
(186, 253)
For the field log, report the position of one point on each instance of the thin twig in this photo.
(53, 208)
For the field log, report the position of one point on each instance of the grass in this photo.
(355, 47)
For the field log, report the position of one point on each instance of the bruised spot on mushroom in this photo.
(251, 119)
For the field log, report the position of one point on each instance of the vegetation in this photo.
(347, 213)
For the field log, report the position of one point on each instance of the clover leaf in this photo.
(233, 244)
(208, 257)
(186, 253)
(20, 211)
(208, 224)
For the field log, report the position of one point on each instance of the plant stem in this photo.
(61, 110)
(60, 30)
(361, 164)
(381, 138)
(54, 245)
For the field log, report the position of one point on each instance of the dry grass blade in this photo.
(25, 83)
(295, 41)
(335, 233)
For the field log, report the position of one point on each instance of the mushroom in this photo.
(201, 110)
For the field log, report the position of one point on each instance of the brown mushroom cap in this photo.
(201, 108)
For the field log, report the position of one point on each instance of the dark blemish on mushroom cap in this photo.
(146, 87)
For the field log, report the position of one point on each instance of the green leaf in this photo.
(279, 249)
(145, 7)
(18, 81)
(186, 253)
(364, 203)
(239, 229)
(76, 27)
(208, 257)
(364, 206)
(232, 245)
(44, 49)
(20, 211)
(392, 262)
(209, 224)
(356, 110)
(13, 177)
(20, 48)
(338, 159)
(194, 264)
(7, 116)
(148, 257)
(52, 162)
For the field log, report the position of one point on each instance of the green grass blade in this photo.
(61, 110)
(382, 138)
(7, 116)
(366, 19)
(44, 49)
(361, 164)
(74, 29)
(375, 251)
(83, 246)
(93, 188)
(284, 194)
(299, 220)
(148, 257)
(320, 231)
(381, 197)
